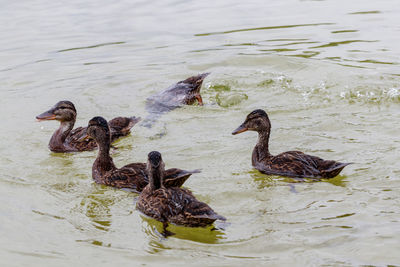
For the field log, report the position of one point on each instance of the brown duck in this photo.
(291, 163)
(132, 176)
(172, 204)
(67, 139)
(185, 92)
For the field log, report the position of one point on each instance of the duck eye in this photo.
(253, 116)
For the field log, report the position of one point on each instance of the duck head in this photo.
(155, 169)
(63, 111)
(257, 120)
(194, 89)
(98, 130)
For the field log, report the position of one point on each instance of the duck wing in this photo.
(299, 164)
(132, 176)
(178, 206)
(74, 140)
(193, 212)
(173, 177)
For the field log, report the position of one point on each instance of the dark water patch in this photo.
(353, 66)
(205, 50)
(296, 43)
(339, 216)
(358, 51)
(48, 215)
(242, 44)
(372, 61)
(279, 50)
(95, 242)
(336, 226)
(91, 46)
(286, 40)
(307, 54)
(220, 87)
(365, 12)
(334, 58)
(266, 83)
(264, 28)
(344, 42)
(99, 62)
(344, 31)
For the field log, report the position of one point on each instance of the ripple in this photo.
(264, 28)
(88, 47)
(344, 42)
(365, 12)
(339, 216)
(372, 95)
(372, 61)
(344, 31)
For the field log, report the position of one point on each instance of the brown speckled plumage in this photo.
(291, 163)
(132, 176)
(67, 139)
(185, 92)
(172, 205)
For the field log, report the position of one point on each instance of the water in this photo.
(327, 73)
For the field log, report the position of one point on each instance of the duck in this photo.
(290, 163)
(172, 204)
(67, 139)
(186, 92)
(132, 177)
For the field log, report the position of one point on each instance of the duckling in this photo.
(185, 92)
(172, 205)
(291, 163)
(132, 176)
(65, 139)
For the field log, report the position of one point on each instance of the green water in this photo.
(327, 73)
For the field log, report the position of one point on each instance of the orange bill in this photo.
(46, 116)
(240, 129)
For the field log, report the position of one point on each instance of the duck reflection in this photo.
(265, 181)
(154, 229)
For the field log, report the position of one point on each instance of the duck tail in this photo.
(211, 217)
(121, 126)
(334, 170)
(177, 177)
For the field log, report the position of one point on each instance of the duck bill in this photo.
(240, 129)
(46, 116)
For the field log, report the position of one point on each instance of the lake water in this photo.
(327, 73)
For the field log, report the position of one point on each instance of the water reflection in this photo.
(96, 206)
